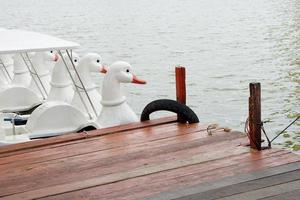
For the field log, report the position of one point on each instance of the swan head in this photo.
(47, 56)
(50, 56)
(123, 73)
(75, 59)
(93, 62)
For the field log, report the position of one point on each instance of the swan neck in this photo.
(60, 75)
(111, 91)
(19, 64)
(85, 76)
(40, 65)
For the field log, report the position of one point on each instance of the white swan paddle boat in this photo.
(89, 63)
(43, 63)
(115, 110)
(29, 84)
(53, 117)
(61, 86)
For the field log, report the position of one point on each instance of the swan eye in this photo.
(51, 51)
(75, 60)
(98, 61)
(127, 70)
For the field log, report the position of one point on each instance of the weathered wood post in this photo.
(255, 116)
(180, 86)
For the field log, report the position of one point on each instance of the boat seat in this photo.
(18, 99)
(56, 118)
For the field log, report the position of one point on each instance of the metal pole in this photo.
(180, 87)
(82, 85)
(76, 88)
(7, 73)
(31, 73)
(38, 76)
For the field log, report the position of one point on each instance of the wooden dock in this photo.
(157, 159)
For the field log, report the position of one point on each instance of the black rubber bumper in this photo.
(183, 111)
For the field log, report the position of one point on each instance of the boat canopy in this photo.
(20, 41)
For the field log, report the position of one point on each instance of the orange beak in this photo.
(103, 70)
(56, 57)
(137, 80)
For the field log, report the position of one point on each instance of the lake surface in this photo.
(224, 44)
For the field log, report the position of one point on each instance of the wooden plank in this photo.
(155, 183)
(145, 152)
(80, 136)
(98, 166)
(140, 133)
(151, 150)
(177, 132)
(266, 192)
(244, 186)
(194, 177)
(81, 143)
(116, 177)
(176, 174)
(227, 186)
(156, 131)
(293, 195)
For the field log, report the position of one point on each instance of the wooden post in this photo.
(255, 116)
(180, 86)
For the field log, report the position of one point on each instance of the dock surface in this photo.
(157, 159)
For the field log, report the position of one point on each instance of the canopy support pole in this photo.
(7, 73)
(82, 85)
(73, 81)
(34, 73)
